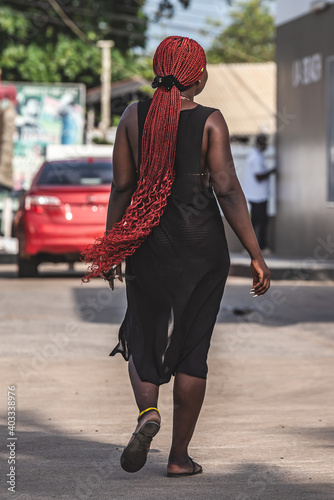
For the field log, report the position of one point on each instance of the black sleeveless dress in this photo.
(175, 280)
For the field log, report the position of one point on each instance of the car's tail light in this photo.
(37, 203)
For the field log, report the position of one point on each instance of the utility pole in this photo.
(106, 46)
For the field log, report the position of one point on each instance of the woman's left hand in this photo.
(112, 274)
(261, 277)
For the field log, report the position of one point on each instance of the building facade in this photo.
(305, 129)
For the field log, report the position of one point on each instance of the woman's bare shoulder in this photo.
(216, 122)
(129, 114)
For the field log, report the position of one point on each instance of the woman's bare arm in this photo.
(124, 171)
(231, 198)
(124, 180)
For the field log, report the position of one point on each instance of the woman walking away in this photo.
(171, 157)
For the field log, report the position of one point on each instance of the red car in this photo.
(63, 211)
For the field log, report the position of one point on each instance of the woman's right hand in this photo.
(261, 276)
(114, 273)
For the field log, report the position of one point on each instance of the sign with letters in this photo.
(307, 70)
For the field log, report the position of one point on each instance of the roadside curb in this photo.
(287, 273)
(281, 269)
(8, 258)
(285, 269)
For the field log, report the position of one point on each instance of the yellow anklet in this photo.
(148, 409)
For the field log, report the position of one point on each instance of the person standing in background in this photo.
(256, 188)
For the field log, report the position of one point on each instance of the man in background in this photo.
(256, 188)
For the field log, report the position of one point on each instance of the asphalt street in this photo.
(266, 429)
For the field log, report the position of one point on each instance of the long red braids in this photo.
(178, 63)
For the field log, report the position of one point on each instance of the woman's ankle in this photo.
(178, 457)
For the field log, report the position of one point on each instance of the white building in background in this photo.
(305, 129)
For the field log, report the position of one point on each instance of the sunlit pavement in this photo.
(266, 429)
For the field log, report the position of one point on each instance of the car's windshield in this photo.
(69, 173)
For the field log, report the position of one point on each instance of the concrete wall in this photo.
(305, 218)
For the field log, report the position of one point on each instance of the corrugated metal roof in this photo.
(245, 94)
(117, 89)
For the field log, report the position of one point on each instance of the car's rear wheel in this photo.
(28, 267)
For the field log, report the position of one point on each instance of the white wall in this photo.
(288, 10)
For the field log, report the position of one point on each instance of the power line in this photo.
(78, 32)
(58, 22)
(64, 17)
(183, 27)
(41, 5)
(194, 8)
(89, 12)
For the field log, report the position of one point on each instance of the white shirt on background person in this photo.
(256, 191)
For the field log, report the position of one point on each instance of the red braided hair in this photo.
(183, 61)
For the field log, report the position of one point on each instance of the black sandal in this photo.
(134, 455)
(194, 472)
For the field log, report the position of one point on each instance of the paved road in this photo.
(266, 430)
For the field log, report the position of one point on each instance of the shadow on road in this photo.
(55, 465)
(283, 305)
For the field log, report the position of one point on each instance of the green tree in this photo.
(249, 38)
(56, 55)
(124, 22)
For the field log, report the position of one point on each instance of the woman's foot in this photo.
(134, 455)
(183, 467)
(149, 415)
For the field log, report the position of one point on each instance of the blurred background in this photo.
(69, 69)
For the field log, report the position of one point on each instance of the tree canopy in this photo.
(249, 38)
(124, 22)
(37, 45)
